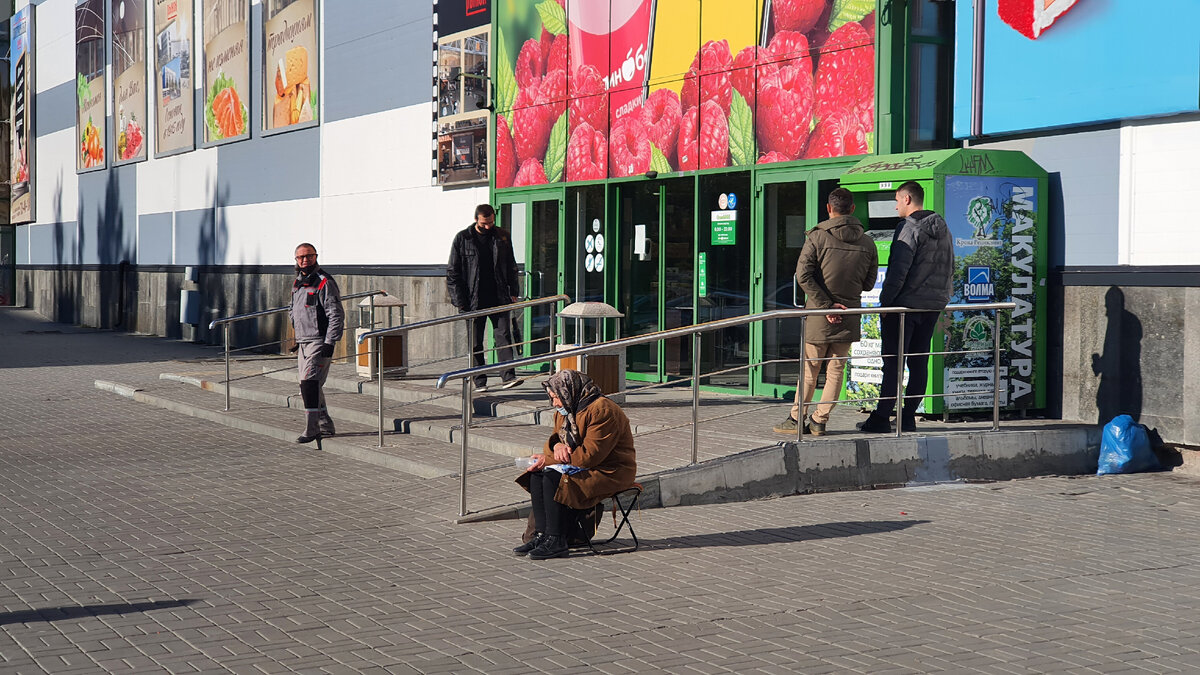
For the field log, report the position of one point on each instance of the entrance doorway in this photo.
(790, 204)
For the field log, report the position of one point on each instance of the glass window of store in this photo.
(930, 73)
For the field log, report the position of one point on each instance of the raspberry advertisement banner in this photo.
(588, 90)
(226, 25)
(290, 63)
(174, 127)
(91, 109)
(129, 78)
(1034, 78)
(20, 75)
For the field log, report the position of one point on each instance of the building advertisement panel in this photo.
(129, 78)
(1042, 65)
(20, 76)
(173, 84)
(90, 100)
(290, 32)
(462, 90)
(678, 85)
(226, 25)
(993, 221)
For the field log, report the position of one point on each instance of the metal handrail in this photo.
(230, 320)
(695, 331)
(376, 335)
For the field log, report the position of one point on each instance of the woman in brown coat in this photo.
(589, 457)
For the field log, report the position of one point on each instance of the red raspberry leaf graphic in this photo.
(845, 11)
(530, 173)
(587, 154)
(797, 15)
(554, 18)
(741, 131)
(506, 160)
(658, 161)
(506, 82)
(556, 153)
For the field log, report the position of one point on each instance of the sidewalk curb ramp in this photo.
(330, 445)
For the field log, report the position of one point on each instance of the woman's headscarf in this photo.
(577, 392)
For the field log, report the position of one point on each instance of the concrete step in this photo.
(508, 437)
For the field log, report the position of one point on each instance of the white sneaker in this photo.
(481, 390)
(512, 383)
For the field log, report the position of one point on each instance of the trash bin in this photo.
(606, 367)
(393, 347)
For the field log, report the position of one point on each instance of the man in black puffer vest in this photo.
(317, 320)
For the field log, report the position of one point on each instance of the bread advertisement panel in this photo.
(129, 79)
(226, 25)
(173, 83)
(290, 72)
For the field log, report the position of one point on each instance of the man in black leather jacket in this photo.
(482, 273)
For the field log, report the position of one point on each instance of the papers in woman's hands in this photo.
(568, 469)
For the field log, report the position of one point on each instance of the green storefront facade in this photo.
(685, 245)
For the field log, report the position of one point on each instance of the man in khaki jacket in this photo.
(838, 262)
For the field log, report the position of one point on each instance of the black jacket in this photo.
(462, 272)
(920, 269)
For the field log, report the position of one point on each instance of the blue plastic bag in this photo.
(1125, 448)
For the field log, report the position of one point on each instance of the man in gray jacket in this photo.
(920, 274)
(838, 262)
(317, 320)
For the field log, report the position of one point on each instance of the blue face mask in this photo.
(561, 411)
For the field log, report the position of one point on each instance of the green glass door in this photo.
(724, 273)
(533, 220)
(790, 204)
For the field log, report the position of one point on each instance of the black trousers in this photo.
(502, 333)
(918, 331)
(549, 516)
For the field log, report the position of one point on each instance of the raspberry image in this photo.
(558, 54)
(530, 173)
(837, 135)
(742, 76)
(530, 65)
(820, 32)
(689, 139)
(846, 75)
(531, 127)
(772, 157)
(789, 48)
(709, 73)
(629, 147)
(797, 15)
(587, 154)
(785, 103)
(589, 103)
(868, 23)
(660, 116)
(552, 91)
(545, 44)
(714, 136)
(506, 162)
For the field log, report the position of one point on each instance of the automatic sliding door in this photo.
(723, 271)
(784, 225)
(640, 279)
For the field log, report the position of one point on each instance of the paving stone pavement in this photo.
(135, 539)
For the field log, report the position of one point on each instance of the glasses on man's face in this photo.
(306, 256)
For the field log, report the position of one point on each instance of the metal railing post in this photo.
(695, 397)
(553, 333)
(462, 465)
(800, 381)
(227, 384)
(900, 377)
(379, 380)
(996, 372)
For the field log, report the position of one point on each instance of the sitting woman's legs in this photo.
(549, 516)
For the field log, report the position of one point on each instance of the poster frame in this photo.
(104, 164)
(200, 123)
(151, 33)
(147, 18)
(30, 114)
(267, 82)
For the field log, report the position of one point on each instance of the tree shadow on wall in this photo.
(1119, 367)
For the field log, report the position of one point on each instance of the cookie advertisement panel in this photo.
(291, 91)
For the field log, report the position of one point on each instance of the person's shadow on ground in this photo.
(780, 535)
(1120, 366)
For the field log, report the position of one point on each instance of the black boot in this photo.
(875, 424)
(310, 392)
(908, 421)
(528, 546)
(552, 546)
